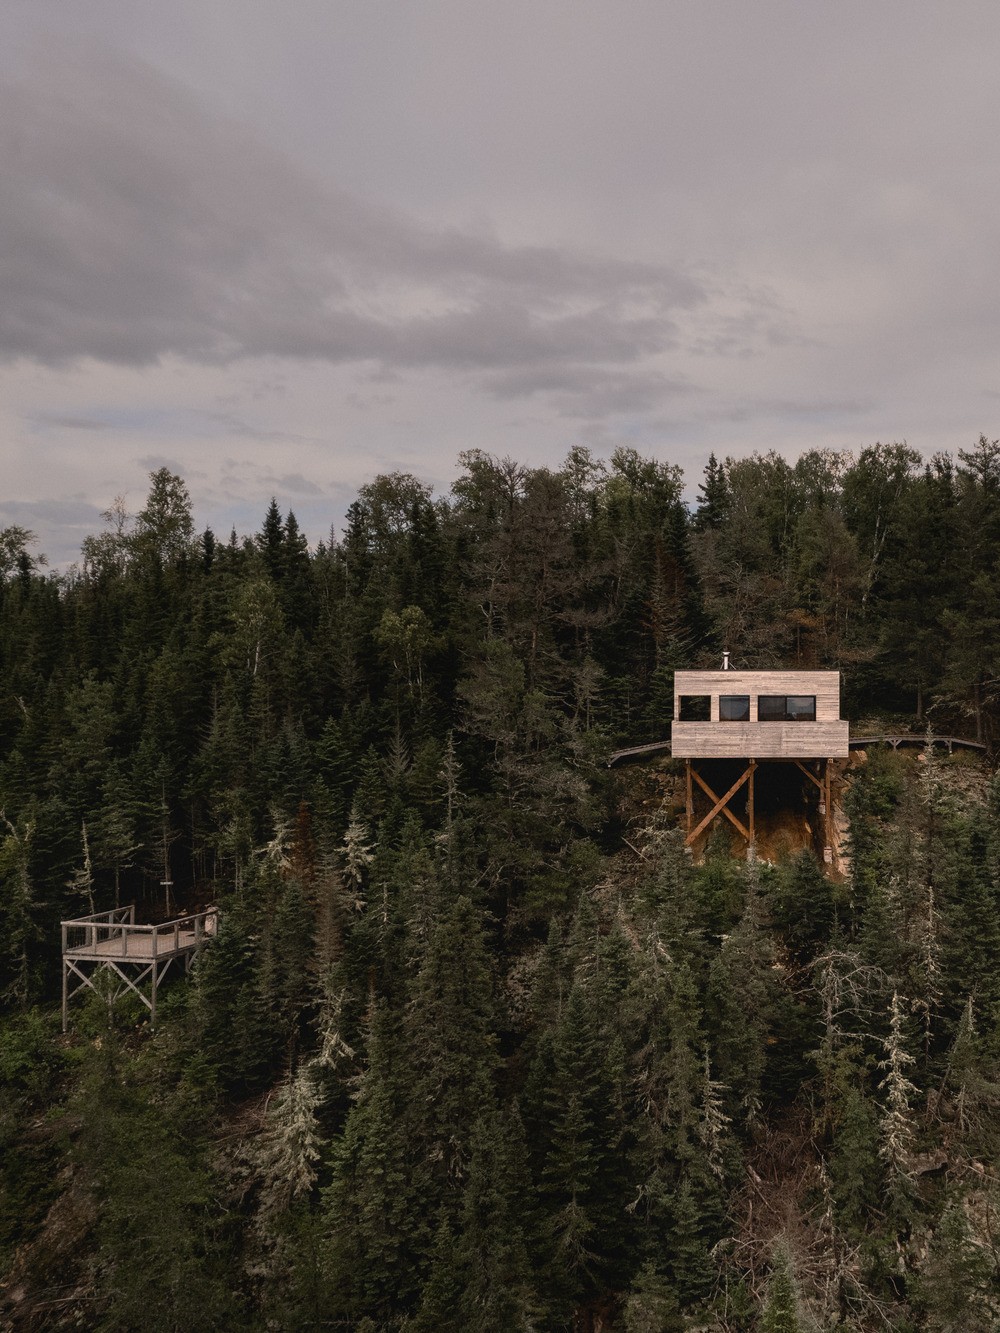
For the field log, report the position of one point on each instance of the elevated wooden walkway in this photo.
(638, 752)
(138, 957)
(919, 742)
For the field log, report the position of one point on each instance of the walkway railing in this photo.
(86, 934)
(919, 741)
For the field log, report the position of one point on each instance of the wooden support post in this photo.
(65, 988)
(721, 806)
(689, 808)
(750, 811)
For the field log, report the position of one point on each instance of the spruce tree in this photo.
(897, 1126)
(379, 1228)
(452, 1046)
(781, 1312)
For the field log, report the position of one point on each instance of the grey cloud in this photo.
(790, 410)
(59, 421)
(153, 462)
(63, 524)
(135, 225)
(586, 391)
(248, 474)
(235, 425)
(298, 485)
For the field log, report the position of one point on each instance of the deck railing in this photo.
(85, 933)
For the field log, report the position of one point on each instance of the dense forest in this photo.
(479, 1045)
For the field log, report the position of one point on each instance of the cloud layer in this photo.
(289, 246)
(135, 225)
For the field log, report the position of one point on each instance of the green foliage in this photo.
(385, 759)
(161, 1261)
(781, 1306)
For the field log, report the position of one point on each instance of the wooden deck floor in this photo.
(136, 947)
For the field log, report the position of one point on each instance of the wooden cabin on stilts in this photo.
(757, 719)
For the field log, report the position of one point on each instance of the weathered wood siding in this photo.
(759, 740)
(827, 737)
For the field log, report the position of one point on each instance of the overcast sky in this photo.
(283, 246)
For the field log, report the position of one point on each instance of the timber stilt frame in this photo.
(136, 958)
(720, 804)
(720, 807)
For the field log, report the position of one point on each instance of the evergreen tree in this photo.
(379, 1233)
(159, 1264)
(713, 497)
(896, 1147)
(781, 1306)
(452, 1047)
(581, 1186)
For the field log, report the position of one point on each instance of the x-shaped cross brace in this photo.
(721, 804)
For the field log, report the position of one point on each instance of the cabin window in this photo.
(695, 708)
(734, 708)
(786, 708)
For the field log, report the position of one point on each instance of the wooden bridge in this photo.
(138, 957)
(639, 752)
(920, 742)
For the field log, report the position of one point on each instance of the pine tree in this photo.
(357, 855)
(82, 883)
(897, 1127)
(742, 983)
(379, 1232)
(581, 1178)
(157, 1263)
(781, 1312)
(22, 934)
(490, 1250)
(452, 1046)
(271, 540)
(651, 1305)
(713, 497)
(958, 1285)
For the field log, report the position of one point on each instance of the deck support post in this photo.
(750, 811)
(721, 803)
(689, 806)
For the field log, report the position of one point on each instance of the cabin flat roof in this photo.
(733, 673)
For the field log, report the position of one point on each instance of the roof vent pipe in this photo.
(725, 661)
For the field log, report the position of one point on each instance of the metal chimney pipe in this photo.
(725, 660)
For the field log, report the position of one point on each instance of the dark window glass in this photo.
(771, 708)
(786, 708)
(734, 708)
(695, 707)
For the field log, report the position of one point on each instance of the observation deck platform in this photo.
(138, 957)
